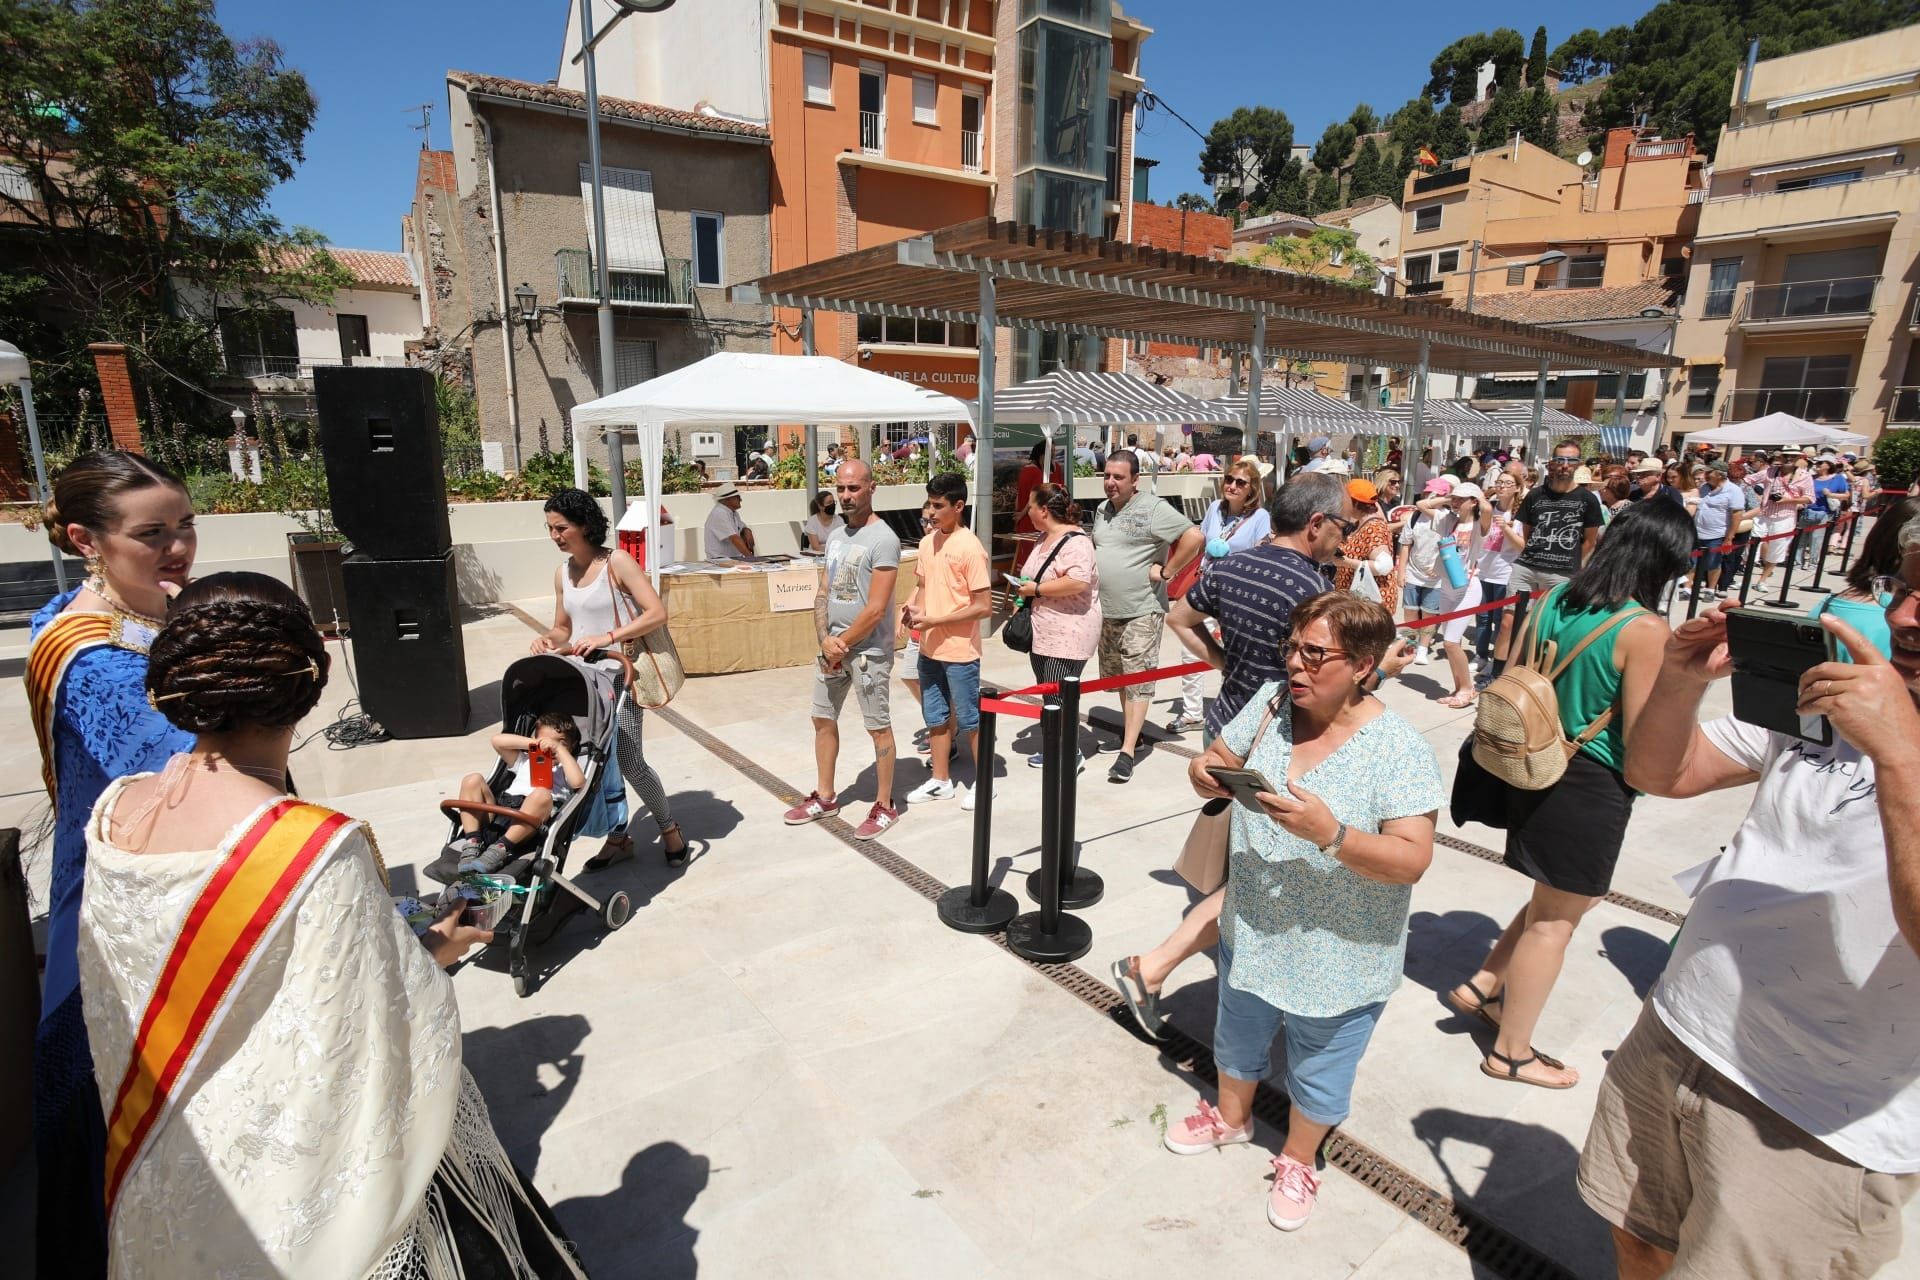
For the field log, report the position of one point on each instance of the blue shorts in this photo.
(1709, 558)
(1421, 598)
(950, 687)
(1323, 1054)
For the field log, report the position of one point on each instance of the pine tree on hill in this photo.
(1450, 137)
(1326, 192)
(1370, 176)
(1537, 58)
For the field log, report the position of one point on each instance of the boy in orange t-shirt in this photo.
(953, 595)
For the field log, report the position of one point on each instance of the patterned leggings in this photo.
(639, 774)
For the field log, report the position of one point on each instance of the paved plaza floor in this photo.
(784, 1065)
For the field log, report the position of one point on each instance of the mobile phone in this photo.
(540, 767)
(1243, 783)
(1770, 652)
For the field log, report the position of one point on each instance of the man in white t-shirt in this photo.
(727, 535)
(1763, 1117)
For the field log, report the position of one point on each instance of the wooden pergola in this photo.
(1011, 275)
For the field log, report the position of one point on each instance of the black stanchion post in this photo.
(1846, 552)
(978, 907)
(1746, 573)
(1786, 574)
(1820, 561)
(1078, 886)
(1699, 585)
(1049, 935)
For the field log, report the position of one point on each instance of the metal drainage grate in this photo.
(1490, 1246)
(1631, 903)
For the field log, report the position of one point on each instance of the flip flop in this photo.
(1141, 1003)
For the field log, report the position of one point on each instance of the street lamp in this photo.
(529, 303)
(16, 371)
(1547, 259)
(603, 311)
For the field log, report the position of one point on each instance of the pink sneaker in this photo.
(1205, 1130)
(1295, 1187)
(812, 809)
(879, 818)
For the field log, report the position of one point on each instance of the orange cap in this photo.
(1362, 490)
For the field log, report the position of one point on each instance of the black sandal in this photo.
(1479, 1008)
(1512, 1073)
(675, 857)
(616, 849)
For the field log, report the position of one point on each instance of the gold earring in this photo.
(96, 578)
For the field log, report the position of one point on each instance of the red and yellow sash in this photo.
(233, 915)
(54, 649)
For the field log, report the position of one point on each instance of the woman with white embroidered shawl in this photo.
(277, 1054)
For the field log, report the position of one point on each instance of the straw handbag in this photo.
(1203, 858)
(657, 674)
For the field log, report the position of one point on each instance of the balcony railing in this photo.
(873, 132)
(970, 149)
(1913, 316)
(1697, 195)
(1653, 150)
(1904, 411)
(1442, 180)
(250, 366)
(1811, 299)
(1815, 404)
(670, 288)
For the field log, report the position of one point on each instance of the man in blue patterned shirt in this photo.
(1252, 593)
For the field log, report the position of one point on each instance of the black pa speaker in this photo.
(386, 476)
(407, 650)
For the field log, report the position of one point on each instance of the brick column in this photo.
(116, 394)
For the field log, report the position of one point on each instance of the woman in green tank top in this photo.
(1567, 838)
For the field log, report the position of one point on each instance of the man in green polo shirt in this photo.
(1139, 543)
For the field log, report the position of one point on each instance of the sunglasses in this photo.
(1242, 481)
(1346, 526)
(1892, 588)
(1312, 656)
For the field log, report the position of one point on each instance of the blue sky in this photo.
(370, 62)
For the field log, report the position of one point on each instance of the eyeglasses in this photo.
(1892, 588)
(1312, 656)
(1563, 462)
(1239, 480)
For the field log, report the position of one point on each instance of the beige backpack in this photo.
(1517, 735)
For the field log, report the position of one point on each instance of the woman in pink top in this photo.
(1065, 594)
(1785, 489)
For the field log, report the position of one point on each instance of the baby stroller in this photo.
(534, 686)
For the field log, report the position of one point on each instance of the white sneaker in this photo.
(932, 789)
(1421, 657)
(966, 798)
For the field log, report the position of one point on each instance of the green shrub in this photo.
(1896, 457)
(545, 474)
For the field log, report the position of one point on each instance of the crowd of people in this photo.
(1762, 1118)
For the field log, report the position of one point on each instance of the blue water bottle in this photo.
(1450, 562)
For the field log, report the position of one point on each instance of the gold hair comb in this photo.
(311, 671)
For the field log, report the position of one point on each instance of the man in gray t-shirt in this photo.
(853, 614)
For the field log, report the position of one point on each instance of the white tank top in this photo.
(590, 608)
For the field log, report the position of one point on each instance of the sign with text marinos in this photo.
(791, 590)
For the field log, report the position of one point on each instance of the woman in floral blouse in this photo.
(1374, 535)
(1313, 934)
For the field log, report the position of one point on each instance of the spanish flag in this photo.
(1426, 159)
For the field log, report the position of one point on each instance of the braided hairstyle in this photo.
(239, 651)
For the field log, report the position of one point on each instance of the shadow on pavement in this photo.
(1526, 1183)
(639, 1228)
(506, 1063)
(1639, 956)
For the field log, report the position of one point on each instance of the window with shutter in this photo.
(633, 229)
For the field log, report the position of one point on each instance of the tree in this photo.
(1188, 202)
(1506, 115)
(1326, 193)
(1455, 70)
(1335, 146)
(1450, 138)
(1370, 176)
(1292, 192)
(1587, 54)
(1542, 127)
(1537, 58)
(1364, 120)
(1330, 253)
(149, 142)
(1253, 144)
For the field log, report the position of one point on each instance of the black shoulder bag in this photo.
(1017, 632)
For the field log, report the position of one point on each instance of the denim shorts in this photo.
(950, 687)
(1322, 1053)
(1421, 598)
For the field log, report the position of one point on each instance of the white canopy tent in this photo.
(1775, 431)
(733, 387)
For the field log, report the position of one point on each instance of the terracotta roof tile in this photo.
(436, 170)
(1573, 306)
(374, 267)
(610, 108)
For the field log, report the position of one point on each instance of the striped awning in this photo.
(1455, 417)
(1303, 409)
(1100, 399)
(1518, 419)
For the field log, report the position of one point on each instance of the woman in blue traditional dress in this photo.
(132, 522)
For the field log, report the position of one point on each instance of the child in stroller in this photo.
(537, 788)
